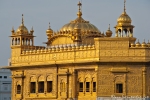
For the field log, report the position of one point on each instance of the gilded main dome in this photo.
(82, 24)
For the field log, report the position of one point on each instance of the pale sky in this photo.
(38, 13)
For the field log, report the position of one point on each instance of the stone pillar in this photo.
(37, 88)
(74, 85)
(45, 86)
(144, 81)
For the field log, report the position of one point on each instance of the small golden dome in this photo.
(144, 44)
(49, 31)
(22, 29)
(138, 44)
(109, 32)
(124, 19)
(132, 45)
(12, 30)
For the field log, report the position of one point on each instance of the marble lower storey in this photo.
(124, 98)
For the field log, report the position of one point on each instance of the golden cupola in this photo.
(49, 31)
(109, 32)
(22, 29)
(22, 37)
(124, 27)
(83, 24)
(124, 19)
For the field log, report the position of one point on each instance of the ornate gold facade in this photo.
(79, 62)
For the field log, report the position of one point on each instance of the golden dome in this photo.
(138, 44)
(132, 45)
(22, 29)
(144, 44)
(124, 19)
(109, 32)
(49, 31)
(82, 24)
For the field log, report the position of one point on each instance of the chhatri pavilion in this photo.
(79, 62)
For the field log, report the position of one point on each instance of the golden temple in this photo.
(79, 62)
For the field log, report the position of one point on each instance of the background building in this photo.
(80, 62)
(5, 84)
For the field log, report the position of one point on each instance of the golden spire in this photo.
(49, 31)
(32, 30)
(109, 32)
(12, 29)
(79, 12)
(22, 20)
(109, 27)
(49, 26)
(79, 4)
(124, 6)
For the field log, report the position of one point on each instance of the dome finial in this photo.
(79, 12)
(13, 30)
(49, 26)
(22, 20)
(109, 27)
(32, 28)
(124, 5)
(79, 4)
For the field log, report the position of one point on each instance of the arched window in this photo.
(80, 86)
(49, 86)
(32, 87)
(41, 86)
(18, 89)
(94, 86)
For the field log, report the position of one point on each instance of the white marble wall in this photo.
(5, 84)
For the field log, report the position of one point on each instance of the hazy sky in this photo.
(38, 13)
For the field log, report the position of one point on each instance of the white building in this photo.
(5, 84)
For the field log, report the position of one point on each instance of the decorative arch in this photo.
(49, 78)
(41, 78)
(33, 79)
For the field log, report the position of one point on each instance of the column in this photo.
(144, 81)
(74, 85)
(45, 86)
(37, 88)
